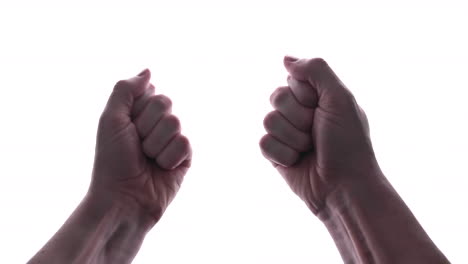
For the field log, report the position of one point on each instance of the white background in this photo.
(406, 63)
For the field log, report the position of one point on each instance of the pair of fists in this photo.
(318, 139)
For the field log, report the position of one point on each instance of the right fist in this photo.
(317, 136)
(141, 156)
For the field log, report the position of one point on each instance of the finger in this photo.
(281, 129)
(283, 100)
(142, 100)
(303, 92)
(155, 109)
(124, 93)
(176, 152)
(161, 135)
(278, 152)
(316, 71)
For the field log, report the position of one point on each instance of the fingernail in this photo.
(290, 58)
(143, 73)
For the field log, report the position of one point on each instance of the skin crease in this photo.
(122, 168)
(318, 139)
(141, 158)
(331, 118)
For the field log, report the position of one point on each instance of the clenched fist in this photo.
(318, 136)
(141, 156)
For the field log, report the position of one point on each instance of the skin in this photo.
(140, 162)
(318, 139)
(316, 136)
(140, 152)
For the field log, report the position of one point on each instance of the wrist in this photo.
(100, 230)
(370, 223)
(117, 211)
(356, 191)
(116, 229)
(339, 217)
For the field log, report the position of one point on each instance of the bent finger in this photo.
(303, 92)
(281, 129)
(164, 131)
(315, 71)
(176, 152)
(277, 152)
(283, 100)
(157, 106)
(142, 100)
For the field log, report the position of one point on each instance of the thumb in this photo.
(314, 71)
(125, 91)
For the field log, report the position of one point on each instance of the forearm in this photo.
(370, 223)
(98, 231)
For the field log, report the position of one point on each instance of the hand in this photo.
(318, 136)
(141, 156)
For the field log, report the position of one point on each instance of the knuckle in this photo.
(271, 119)
(316, 65)
(184, 142)
(186, 146)
(319, 61)
(349, 94)
(280, 96)
(264, 141)
(161, 102)
(363, 113)
(172, 122)
(181, 145)
(348, 97)
(120, 84)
